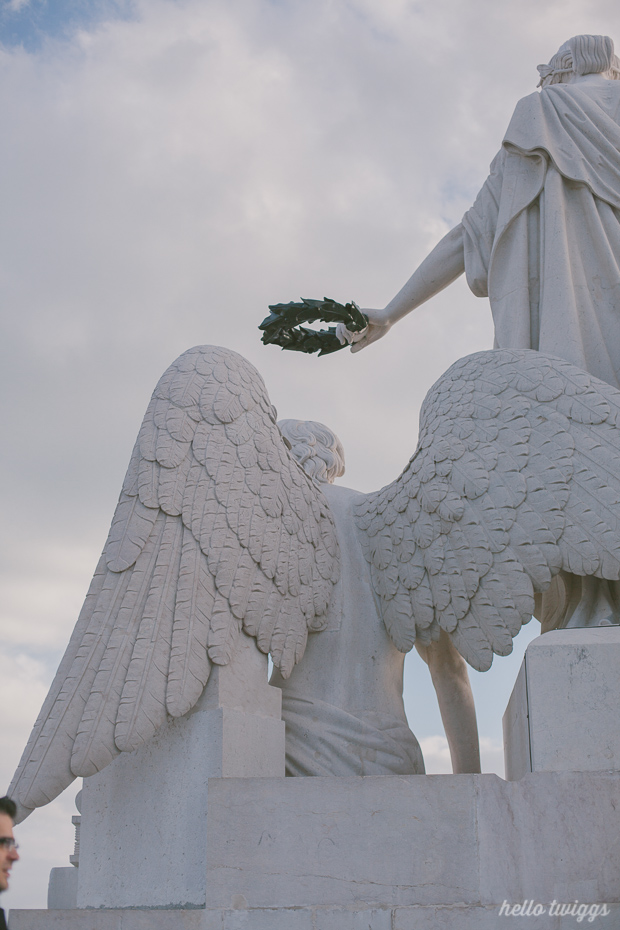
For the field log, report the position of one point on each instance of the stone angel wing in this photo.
(217, 529)
(516, 477)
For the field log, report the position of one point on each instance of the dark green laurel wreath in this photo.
(281, 327)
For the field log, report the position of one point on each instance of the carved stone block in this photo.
(144, 817)
(563, 712)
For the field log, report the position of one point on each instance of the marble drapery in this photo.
(323, 739)
(542, 239)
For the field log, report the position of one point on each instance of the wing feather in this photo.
(515, 478)
(94, 746)
(189, 662)
(44, 769)
(217, 529)
(142, 708)
(131, 527)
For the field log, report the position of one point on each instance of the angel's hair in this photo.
(316, 448)
(7, 806)
(581, 55)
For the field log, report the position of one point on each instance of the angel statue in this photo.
(542, 242)
(343, 703)
(221, 532)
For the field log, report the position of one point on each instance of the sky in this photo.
(168, 169)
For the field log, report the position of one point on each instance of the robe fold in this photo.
(323, 739)
(542, 239)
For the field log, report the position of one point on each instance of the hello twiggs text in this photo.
(531, 908)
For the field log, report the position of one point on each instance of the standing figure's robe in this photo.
(542, 241)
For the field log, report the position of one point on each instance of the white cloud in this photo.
(437, 755)
(492, 756)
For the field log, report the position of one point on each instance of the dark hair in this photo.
(8, 807)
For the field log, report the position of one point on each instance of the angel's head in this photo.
(316, 448)
(581, 55)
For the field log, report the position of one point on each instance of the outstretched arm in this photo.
(456, 702)
(439, 269)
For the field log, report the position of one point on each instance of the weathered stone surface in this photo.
(515, 722)
(445, 917)
(268, 919)
(144, 818)
(549, 835)
(62, 888)
(458, 917)
(345, 919)
(386, 839)
(563, 712)
(57, 919)
(116, 919)
(414, 840)
(356, 845)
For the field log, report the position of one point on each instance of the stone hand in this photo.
(378, 326)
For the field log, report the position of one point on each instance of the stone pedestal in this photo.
(563, 712)
(144, 817)
(438, 852)
(62, 888)
(160, 850)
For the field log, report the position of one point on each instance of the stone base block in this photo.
(438, 852)
(563, 712)
(455, 917)
(400, 841)
(143, 839)
(62, 888)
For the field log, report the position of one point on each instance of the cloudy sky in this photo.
(168, 169)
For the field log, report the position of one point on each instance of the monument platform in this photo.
(419, 852)
(387, 853)
(563, 711)
(318, 918)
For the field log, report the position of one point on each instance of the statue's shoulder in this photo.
(527, 119)
(529, 104)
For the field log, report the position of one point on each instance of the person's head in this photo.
(8, 849)
(316, 448)
(579, 56)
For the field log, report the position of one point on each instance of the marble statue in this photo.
(542, 241)
(343, 702)
(220, 535)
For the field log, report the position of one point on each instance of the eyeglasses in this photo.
(8, 842)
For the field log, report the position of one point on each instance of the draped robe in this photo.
(343, 703)
(542, 239)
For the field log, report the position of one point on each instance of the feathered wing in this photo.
(516, 476)
(217, 529)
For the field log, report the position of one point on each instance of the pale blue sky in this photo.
(29, 23)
